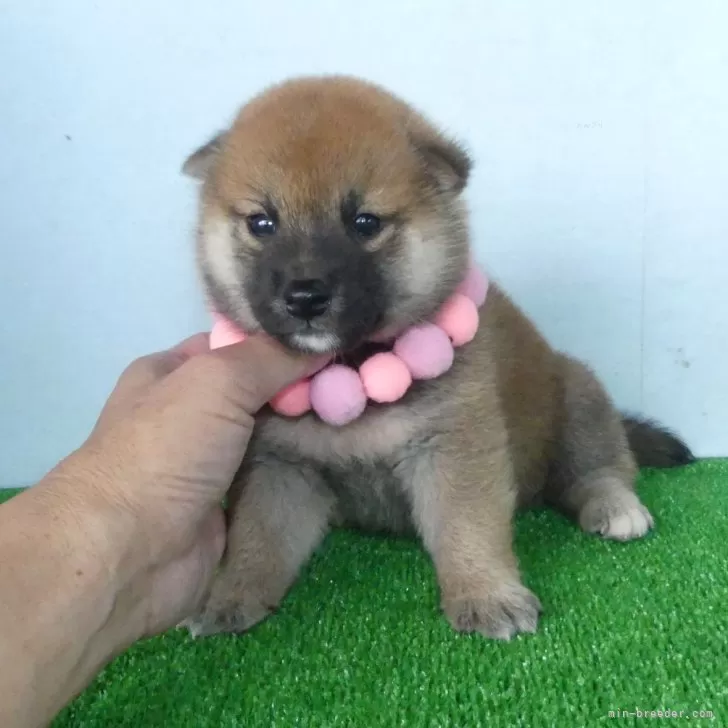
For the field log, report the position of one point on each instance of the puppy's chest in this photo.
(381, 434)
(370, 496)
(367, 466)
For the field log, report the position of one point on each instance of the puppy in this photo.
(331, 211)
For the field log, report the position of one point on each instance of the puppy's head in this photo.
(330, 213)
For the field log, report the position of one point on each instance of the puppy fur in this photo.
(512, 424)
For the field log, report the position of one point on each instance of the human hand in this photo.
(146, 486)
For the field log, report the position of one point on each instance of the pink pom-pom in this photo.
(475, 285)
(385, 377)
(224, 333)
(294, 400)
(337, 395)
(458, 318)
(426, 350)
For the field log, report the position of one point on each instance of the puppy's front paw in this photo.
(502, 614)
(232, 619)
(227, 613)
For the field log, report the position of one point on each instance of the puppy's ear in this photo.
(199, 163)
(446, 162)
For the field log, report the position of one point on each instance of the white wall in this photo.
(600, 198)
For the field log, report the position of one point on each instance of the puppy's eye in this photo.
(367, 225)
(261, 225)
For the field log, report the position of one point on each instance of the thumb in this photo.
(255, 370)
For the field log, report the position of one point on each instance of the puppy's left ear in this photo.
(199, 163)
(446, 162)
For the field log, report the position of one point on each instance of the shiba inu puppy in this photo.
(331, 211)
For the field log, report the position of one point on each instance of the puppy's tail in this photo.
(654, 446)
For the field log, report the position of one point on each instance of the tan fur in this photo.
(513, 423)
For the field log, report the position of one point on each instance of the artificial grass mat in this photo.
(360, 640)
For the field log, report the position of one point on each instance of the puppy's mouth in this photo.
(323, 342)
(325, 337)
(314, 342)
(355, 356)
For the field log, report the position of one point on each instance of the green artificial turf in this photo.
(360, 641)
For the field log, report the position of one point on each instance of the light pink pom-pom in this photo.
(337, 395)
(294, 400)
(475, 285)
(385, 377)
(426, 350)
(458, 318)
(224, 333)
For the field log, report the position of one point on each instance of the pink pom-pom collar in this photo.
(339, 394)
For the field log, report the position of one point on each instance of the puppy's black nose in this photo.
(306, 299)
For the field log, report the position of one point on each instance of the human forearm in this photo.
(63, 611)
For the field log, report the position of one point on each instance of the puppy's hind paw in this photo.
(618, 515)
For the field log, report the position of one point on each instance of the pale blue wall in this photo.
(600, 131)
